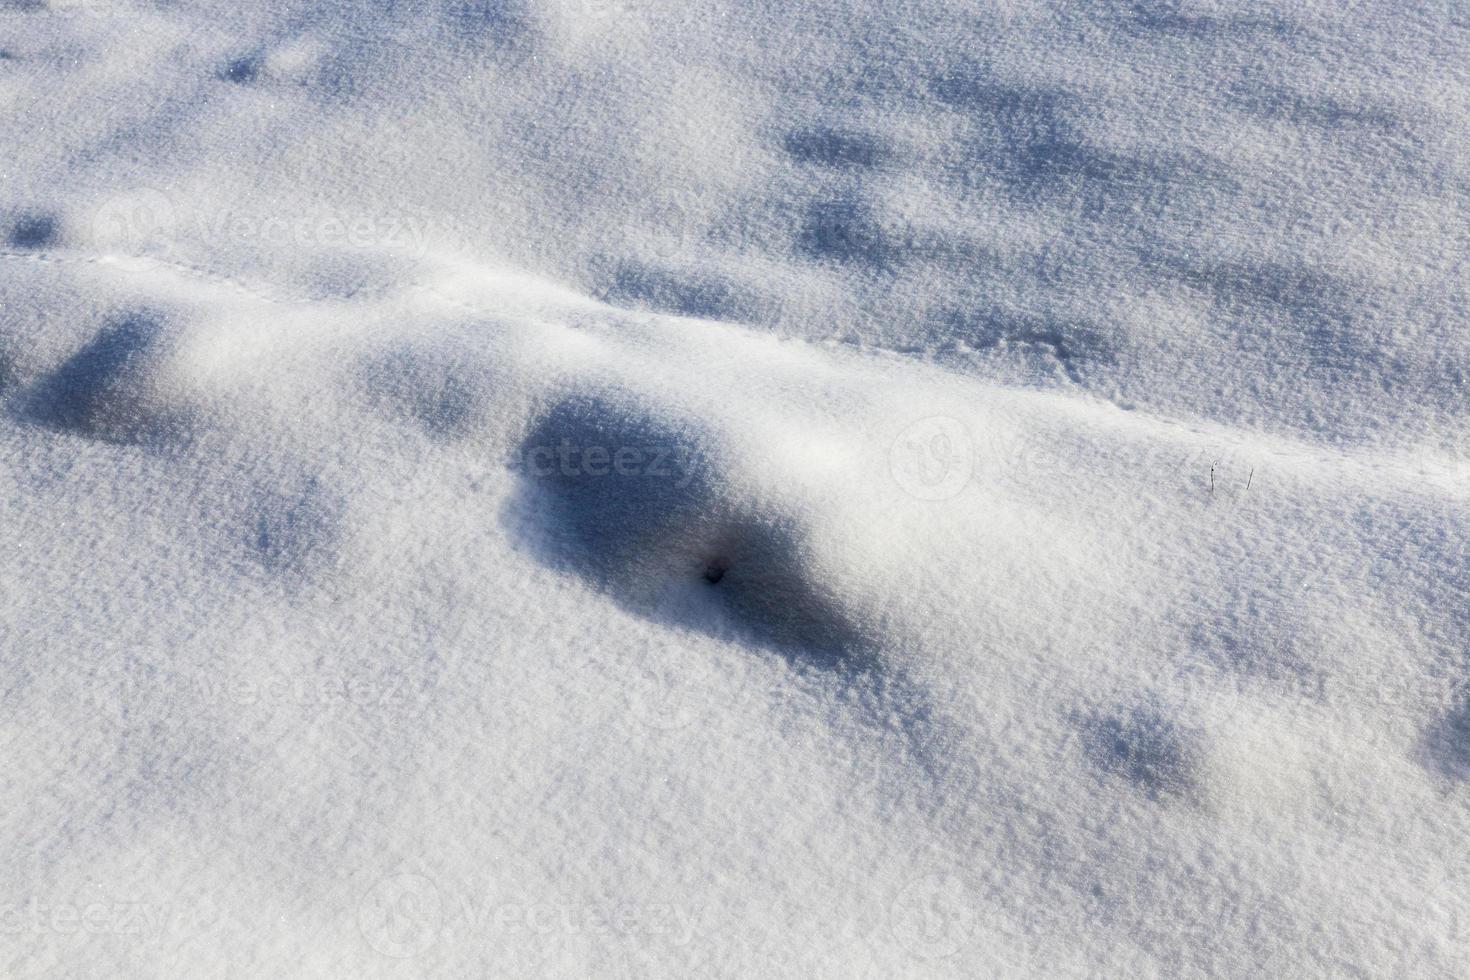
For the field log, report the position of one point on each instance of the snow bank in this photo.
(704, 489)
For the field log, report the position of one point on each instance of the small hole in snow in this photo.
(716, 570)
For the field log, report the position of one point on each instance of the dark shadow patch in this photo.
(1446, 745)
(426, 389)
(104, 391)
(1320, 112)
(671, 536)
(34, 231)
(1295, 288)
(499, 24)
(1017, 114)
(242, 71)
(1326, 310)
(1393, 137)
(757, 570)
(1028, 139)
(292, 532)
(637, 504)
(835, 148)
(1173, 19)
(845, 231)
(1146, 748)
(666, 291)
(1104, 183)
(1057, 161)
(1202, 27)
(1253, 631)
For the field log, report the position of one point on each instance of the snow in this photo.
(695, 488)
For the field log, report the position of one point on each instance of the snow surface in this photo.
(709, 488)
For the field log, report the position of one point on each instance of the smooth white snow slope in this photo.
(668, 488)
